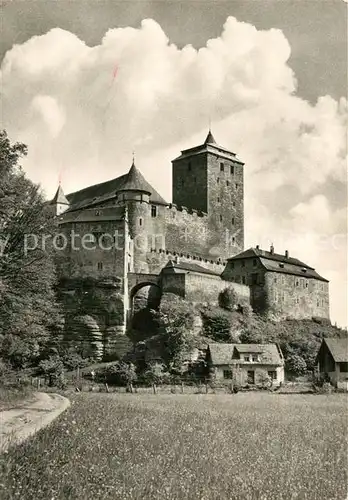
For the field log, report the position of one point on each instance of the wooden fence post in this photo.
(182, 387)
(38, 383)
(206, 388)
(154, 388)
(107, 387)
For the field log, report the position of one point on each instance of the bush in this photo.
(119, 373)
(228, 299)
(216, 324)
(295, 365)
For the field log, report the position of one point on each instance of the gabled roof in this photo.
(97, 215)
(279, 263)
(59, 197)
(173, 266)
(338, 349)
(226, 354)
(94, 195)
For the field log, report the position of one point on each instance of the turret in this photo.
(59, 204)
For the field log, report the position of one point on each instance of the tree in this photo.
(295, 364)
(28, 307)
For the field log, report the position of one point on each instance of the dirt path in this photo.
(19, 423)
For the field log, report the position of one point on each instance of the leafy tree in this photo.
(295, 364)
(28, 309)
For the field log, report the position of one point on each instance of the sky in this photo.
(84, 84)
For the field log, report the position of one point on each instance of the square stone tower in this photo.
(210, 179)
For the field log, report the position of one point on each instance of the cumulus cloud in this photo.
(76, 117)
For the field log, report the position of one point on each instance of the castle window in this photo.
(100, 266)
(232, 169)
(237, 185)
(306, 285)
(233, 239)
(153, 211)
(254, 262)
(218, 180)
(97, 212)
(254, 277)
(227, 183)
(297, 283)
(218, 199)
(232, 221)
(140, 221)
(222, 167)
(220, 218)
(189, 166)
(243, 263)
(243, 280)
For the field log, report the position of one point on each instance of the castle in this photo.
(121, 235)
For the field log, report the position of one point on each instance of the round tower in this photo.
(134, 193)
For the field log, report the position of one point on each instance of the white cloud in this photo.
(77, 119)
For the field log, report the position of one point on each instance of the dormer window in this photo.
(246, 357)
(97, 212)
(153, 211)
(255, 358)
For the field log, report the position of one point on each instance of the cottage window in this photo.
(222, 167)
(272, 374)
(254, 278)
(246, 357)
(255, 358)
(227, 374)
(343, 367)
(243, 280)
(153, 211)
(100, 266)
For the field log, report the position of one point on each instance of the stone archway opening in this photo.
(143, 299)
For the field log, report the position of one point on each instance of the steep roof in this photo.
(279, 263)
(338, 349)
(186, 266)
(210, 138)
(93, 195)
(59, 197)
(135, 181)
(225, 354)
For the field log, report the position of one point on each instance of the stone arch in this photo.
(153, 296)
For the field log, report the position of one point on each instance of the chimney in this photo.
(257, 247)
(286, 254)
(177, 259)
(271, 249)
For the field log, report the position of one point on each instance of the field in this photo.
(246, 446)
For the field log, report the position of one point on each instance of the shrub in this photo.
(216, 324)
(295, 365)
(228, 299)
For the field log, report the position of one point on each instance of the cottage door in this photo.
(251, 377)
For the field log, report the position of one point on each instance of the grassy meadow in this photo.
(246, 446)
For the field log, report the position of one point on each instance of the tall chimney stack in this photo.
(286, 254)
(272, 249)
(257, 247)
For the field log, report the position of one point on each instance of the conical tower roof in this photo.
(60, 197)
(135, 181)
(210, 138)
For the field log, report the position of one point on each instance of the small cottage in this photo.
(246, 364)
(332, 362)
